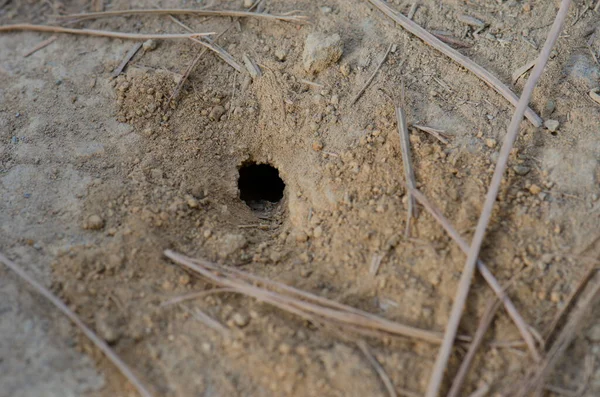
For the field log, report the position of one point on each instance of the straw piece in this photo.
(100, 33)
(300, 19)
(126, 60)
(457, 57)
(484, 324)
(387, 382)
(370, 79)
(407, 161)
(299, 302)
(41, 45)
(224, 55)
(512, 311)
(469, 268)
(100, 344)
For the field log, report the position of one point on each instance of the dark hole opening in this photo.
(259, 183)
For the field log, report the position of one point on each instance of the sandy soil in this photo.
(97, 179)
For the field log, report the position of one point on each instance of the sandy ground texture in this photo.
(99, 175)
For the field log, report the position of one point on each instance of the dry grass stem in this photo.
(440, 135)
(375, 263)
(126, 60)
(535, 383)
(407, 162)
(387, 382)
(41, 45)
(252, 67)
(210, 322)
(300, 19)
(457, 57)
(452, 40)
(312, 83)
(370, 79)
(492, 194)
(500, 292)
(522, 70)
(100, 33)
(100, 344)
(484, 324)
(224, 55)
(195, 295)
(301, 303)
(189, 69)
(481, 392)
(194, 63)
(569, 303)
(413, 10)
(183, 25)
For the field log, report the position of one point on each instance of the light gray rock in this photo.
(321, 51)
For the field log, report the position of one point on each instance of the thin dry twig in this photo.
(300, 19)
(448, 39)
(457, 57)
(188, 71)
(375, 263)
(126, 60)
(195, 295)
(207, 320)
(536, 381)
(299, 302)
(224, 55)
(196, 60)
(522, 70)
(500, 292)
(370, 79)
(99, 33)
(469, 268)
(413, 10)
(100, 344)
(41, 45)
(569, 303)
(438, 134)
(387, 382)
(484, 324)
(407, 161)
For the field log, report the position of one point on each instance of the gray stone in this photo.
(321, 51)
(552, 125)
(521, 170)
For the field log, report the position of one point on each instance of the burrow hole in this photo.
(260, 185)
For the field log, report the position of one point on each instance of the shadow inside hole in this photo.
(260, 185)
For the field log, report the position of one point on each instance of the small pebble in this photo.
(345, 70)
(318, 232)
(191, 202)
(284, 348)
(552, 125)
(248, 3)
(280, 54)
(149, 45)
(217, 112)
(184, 279)
(317, 146)
(548, 108)
(521, 170)
(491, 143)
(535, 189)
(94, 222)
(240, 320)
